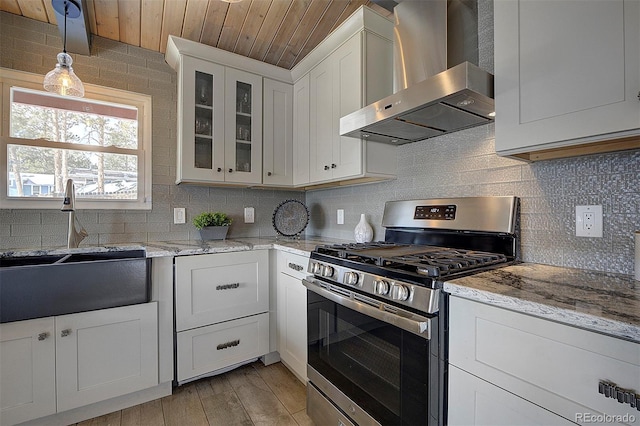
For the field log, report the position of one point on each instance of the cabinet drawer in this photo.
(552, 365)
(211, 348)
(294, 265)
(219, 287)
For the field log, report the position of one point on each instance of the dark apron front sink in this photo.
(49, 285)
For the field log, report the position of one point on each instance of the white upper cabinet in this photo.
(277, 134)
(567, 73)
(301, 123)
(350, 69)
(220, 117)
(243, 127)
(336, 90)
(219, 123)
(243, 122)
(201, 138)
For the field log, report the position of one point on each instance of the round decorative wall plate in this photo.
(290, 218)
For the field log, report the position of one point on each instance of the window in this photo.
(101, 141)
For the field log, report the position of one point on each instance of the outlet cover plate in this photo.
(589, 221)
(179, 215)
(249, 215)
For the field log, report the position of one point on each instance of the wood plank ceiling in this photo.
(279, 32)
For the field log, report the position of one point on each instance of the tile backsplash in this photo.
(454, 165)
(464, 164)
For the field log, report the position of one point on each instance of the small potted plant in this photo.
(212, 226)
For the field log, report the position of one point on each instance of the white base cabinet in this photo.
(57, 364)
(292, 313)
(478, 402)
(550, 92)
(222, 311)
(27, 370)
(550, 365)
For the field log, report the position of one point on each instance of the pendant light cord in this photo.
(66, 12)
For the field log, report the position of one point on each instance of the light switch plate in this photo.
(589, 221)
(340, 217)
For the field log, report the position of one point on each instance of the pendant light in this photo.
(62, 80)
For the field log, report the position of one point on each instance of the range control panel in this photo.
(447, 212)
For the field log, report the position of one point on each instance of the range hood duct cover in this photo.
(431, 100)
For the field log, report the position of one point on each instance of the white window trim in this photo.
(10, 78)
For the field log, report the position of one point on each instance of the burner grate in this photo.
(430, 261)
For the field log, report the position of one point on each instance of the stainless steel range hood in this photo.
(442, 101)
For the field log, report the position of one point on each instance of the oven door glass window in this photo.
(383, 369)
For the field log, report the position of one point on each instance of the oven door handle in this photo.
(412, 323)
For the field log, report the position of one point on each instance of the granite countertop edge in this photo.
(185, 248)
(568, 304)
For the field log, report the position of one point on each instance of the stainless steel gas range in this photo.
(377, 317)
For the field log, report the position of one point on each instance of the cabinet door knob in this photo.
(43, 336)
(326, 167)
(230, 170)
(333, 166)
(219, 169)
(269, 173)
(65, 332)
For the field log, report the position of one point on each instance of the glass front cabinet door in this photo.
(201, 121)
(219, 125)
(243, 127)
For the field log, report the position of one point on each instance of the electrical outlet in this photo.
(589, 221)
(179, 215)
(249, 215)
(340, 217)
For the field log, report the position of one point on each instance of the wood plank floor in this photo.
(249, 395)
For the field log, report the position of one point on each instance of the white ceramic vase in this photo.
(363, 232)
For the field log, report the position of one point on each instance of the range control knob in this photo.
(351, 278)
(381, 287)
(316, 268)
(399, 292)
(327, 271)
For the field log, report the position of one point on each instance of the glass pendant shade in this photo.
(62, 80)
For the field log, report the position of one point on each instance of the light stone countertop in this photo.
(597, 301)
(190, 247)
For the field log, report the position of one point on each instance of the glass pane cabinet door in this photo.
(203, 123)
(243, 127)
(243, 151)
(202, 137)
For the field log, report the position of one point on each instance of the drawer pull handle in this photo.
(65, 332)
(227, 286)
(228, 345)
(43, 336)
(296, 267)
(624, 396)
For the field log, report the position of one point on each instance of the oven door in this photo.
(377, 366)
